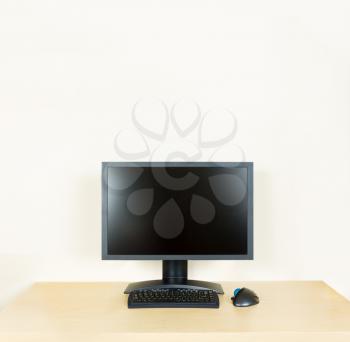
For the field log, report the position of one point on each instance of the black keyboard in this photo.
(173, 298)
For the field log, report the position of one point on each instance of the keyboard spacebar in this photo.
(173, 305)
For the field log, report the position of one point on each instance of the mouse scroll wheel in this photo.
(235, 292)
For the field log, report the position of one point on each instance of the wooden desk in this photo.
(288, 311)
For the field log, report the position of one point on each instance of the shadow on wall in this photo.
(87, 235)
(263, 213)
(18, 272)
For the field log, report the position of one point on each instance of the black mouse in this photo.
(244, 297)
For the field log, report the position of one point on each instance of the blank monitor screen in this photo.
(194, 210)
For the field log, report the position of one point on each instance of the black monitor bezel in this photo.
(248, 256)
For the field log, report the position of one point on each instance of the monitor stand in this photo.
(174, 275)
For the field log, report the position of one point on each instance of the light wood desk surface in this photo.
(288, 311)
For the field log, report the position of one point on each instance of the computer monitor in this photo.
(177, 211)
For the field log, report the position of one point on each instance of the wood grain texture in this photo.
(98, 312)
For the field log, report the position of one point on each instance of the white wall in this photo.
(70, 72)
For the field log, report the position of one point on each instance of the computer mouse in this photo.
(244, 297)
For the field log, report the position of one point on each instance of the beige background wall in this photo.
(70, 72)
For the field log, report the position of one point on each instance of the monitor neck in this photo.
(174, 270)
(174, 276)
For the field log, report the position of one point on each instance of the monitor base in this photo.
(175, 276)
(188, 284)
